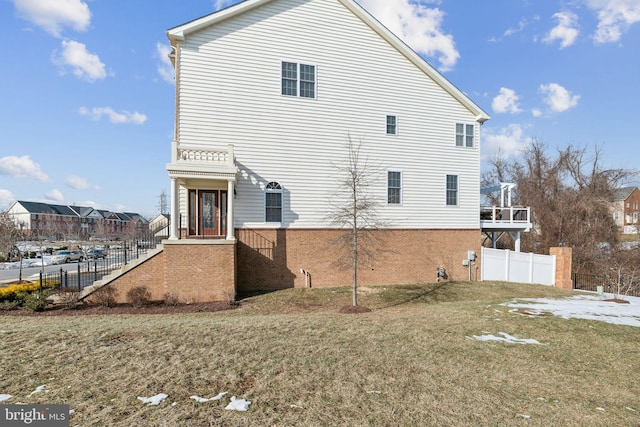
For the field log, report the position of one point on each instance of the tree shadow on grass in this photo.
(436, 292)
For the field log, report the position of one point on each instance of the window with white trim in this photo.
(394, 187)
(392, 125)
(273, 202)
(298, 80)
(452, 190)
(464, 135)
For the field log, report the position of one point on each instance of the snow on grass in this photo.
(589, 307)
(505, 338)
(4, 397)
(38, 389)
(153, 400)
(238, 404)
(211, 399)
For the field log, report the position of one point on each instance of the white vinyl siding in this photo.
(304, 143)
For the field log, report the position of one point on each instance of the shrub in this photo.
(11, 292)
(171, 299)
(10, 305)
(36, 301)
(106, 296)
(139, 296)
(69, 297)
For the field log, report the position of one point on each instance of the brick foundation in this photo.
(187, 271)
(273, 259)
(265, 259)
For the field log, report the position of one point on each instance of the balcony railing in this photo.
(201, 154)
(505, 215)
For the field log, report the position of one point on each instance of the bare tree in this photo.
(570, 196)
(622, 271)
(355, 208)
(9, 236)
(163, 203)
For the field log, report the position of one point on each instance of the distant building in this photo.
(625, 208)
(61, 222)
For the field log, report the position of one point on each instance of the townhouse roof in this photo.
(623, 193)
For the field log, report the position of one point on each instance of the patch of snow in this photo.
(4, 397)
(526, 417)
(38, 389)
(295, 406)
(153, 400)
(238, 405)
(589, 307)
(600, 409)
(211, 399)
(630, 409)
(505, 338)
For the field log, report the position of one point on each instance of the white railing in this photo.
(203, 154)
(505, 215)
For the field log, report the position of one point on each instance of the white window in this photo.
(452, 190)
(394, 187)
(273, 202)
(392, 125)
(298, 80)
(464, 135)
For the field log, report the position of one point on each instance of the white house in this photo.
(268, 93)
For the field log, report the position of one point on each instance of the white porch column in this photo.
(230, 196)
(175, 212)
(517, 242)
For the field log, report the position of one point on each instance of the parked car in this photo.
(63, 257)
(96, 253)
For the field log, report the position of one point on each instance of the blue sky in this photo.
(88, 95)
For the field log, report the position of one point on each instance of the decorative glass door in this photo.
(209, 211)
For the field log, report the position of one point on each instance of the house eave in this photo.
(195, 171)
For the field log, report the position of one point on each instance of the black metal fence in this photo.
(86, 272)
(591, 282)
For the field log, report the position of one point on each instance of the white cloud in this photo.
(96, 113)
(418, 26)
(614, 18)
(54, 195)
(513, 30)
(558, 98)
(84, 64)
(508, 141)
(536, 112)
(79, 183)
(219, 4)
(54, 15)
(6, 198)
(566, 31)
(22, 167)
(506, 102)
(165, 67)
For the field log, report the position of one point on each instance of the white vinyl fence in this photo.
(518, 267)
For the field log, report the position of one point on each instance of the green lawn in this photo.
(299, 362)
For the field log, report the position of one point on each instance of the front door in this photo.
(207, 213)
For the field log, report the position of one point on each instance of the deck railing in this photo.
(507, 214)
